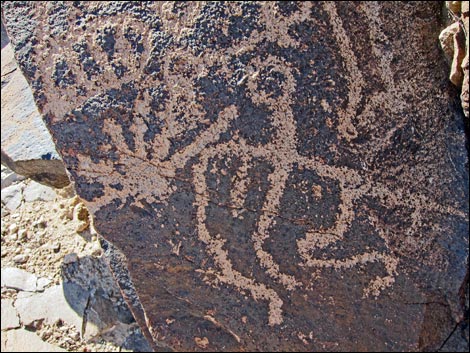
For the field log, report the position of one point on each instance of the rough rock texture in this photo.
(465, 21)
(280, 176)
(9, 316)
(27, 147)
(454, 41)
(53, 305)
(35, 191)
(12, 197)
(26, 341)
(18, 279)
(9, 177)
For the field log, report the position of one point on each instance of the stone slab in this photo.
(22, 340)
(27, 146)
(12, 196)
(10, 318)
(9, 177)
(279, 176)
(19, 279)
(38, 192)
(57, 302)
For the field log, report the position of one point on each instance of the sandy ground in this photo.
(45, 238)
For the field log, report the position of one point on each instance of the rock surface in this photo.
(19, 190)
(9, 316)
(38, 192)
(12, 196)
(26, 341)
(27, 147)
(51, 306)
(280, 176)
(455, 44)
(18, 279)
(9, 177)
(465, 95)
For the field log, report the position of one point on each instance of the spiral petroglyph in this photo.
(257, 163)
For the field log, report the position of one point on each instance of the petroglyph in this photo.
(280, 152)
(221, 105)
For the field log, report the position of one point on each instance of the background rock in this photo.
(52, 305)
(26, 341)
(455, 43)
(9, 177)
(9, 316)
(12, 196)
(279, 176)
(18, 279)
(27, 147)
(35, 192)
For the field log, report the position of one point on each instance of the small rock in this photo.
(42, 284)
(16, 278)
(22, 340)
(201, 342)
(55, 247)
(453, 6)
(45, 334)
(35, 325)
(58, 303)
(66, 192)
(80, 212)
(93, 232)
(81, 216)
(21, 259)
(75, 336)
(446, 39)
(96, 249)
(9, 177)
(13, 228)
(464, 7)
(117, 333)
(9, 316)
(12, 196)
(38, 192)
(40, 223)
(135, 341)
(101, 316)
(12, 237)
(4, 211)
(456, 72)
(3, 227)
(22, 234)
(70, 258)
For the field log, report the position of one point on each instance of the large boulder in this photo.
(279, 175)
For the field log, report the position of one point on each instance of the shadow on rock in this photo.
(91, 291)
(5, 39)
